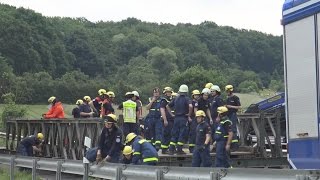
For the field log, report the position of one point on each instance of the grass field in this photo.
(4, 174)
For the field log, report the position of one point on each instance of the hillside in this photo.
(70, 58)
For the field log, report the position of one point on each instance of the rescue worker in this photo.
(110, 143)
(111, 96)
(153, 125)
(233, 104)
(193, 124)
(56, 110)
(101, 105)
(136, 98)
(201, 154)
(204, 104)
(183, 111)
(127, 155)
(223, 137)
(167, 122)
(30, 144)
(130, 114)
(85, 109)
(208, 86)
(143, 151)
(76, 110)
(216, 102)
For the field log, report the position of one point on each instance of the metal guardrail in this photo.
(134, 172)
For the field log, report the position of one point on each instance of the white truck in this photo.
(301, 28)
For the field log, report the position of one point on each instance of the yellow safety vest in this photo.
(129, 112)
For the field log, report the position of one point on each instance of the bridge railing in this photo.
(137, 172)
(263, 126)
(65, 138)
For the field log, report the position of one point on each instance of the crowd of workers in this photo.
(173, 120)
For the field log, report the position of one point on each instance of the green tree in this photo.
(11, 110)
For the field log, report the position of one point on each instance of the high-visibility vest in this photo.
(129, 112)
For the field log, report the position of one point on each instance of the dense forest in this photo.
(69, 58)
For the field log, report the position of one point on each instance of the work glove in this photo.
(98, 158)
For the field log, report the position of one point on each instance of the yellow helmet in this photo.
(79, 102)
(130, 137)
(195, 92)
(222, 109)
(87, 98)
(167, 89)
(111, 118)
(127, 150)
(51, 99)
(111, 94)
(229, 88)
(102, 92)
(200, 113)
(40, 136)
(208, 85)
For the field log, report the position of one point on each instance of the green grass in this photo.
(248, 99)
(18, 175)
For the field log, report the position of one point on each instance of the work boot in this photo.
(170, 152)
(191, 149)
(164, 151)
(158, 146)
(179, 150)
(172, 149)
(234, 147)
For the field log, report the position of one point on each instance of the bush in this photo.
(248, 86)
(11, 110)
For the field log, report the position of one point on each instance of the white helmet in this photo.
(206, 91)
(135, 93)
(215, 88)
(183, 89)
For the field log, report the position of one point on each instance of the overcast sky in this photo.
(261, 15)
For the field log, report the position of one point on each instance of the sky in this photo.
(260, 15)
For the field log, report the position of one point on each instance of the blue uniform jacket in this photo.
(143, 150)
(110, 142)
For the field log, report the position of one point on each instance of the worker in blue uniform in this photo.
(223, 137)
(193, 124)
(215, 103)
(30, 144)
(153, 125)
(233, 104)
(183, 110)
(201, 153)
(143, 151)
(204, 104)
(110, 143)
(167, 119)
